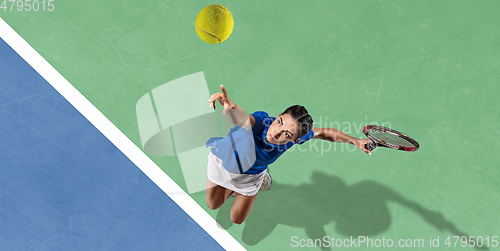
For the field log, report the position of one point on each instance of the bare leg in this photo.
(216, 195)
(241, 207)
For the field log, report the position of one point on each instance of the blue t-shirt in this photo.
(240, 155)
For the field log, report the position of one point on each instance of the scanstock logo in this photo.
(175, 121)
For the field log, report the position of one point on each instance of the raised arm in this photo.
(235, 113)
(334, 135)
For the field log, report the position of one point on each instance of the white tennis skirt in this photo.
(245, 184)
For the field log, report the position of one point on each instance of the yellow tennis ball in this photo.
(214, 24)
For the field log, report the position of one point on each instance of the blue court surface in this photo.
(64, 186)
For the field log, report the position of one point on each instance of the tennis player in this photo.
(242, 176)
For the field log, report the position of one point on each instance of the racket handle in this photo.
(370, 146)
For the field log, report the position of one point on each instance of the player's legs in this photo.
(241, 207)
(215, 195)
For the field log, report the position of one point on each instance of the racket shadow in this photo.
(356, 210)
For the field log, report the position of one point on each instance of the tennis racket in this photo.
(386, 137)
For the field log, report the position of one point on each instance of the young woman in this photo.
(272, 136)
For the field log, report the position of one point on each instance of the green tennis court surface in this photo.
(427, 68)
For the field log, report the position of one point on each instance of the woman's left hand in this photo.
(360, 143)
(223, 100)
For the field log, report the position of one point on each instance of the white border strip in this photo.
(124, 144)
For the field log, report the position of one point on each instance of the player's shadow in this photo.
(357, 210)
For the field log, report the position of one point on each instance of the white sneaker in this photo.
(268, 181)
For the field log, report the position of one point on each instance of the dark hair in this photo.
(300, 114)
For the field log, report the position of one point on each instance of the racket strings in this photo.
(391, 138)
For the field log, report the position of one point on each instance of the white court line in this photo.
(110, 131)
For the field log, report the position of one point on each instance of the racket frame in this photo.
(381, 143)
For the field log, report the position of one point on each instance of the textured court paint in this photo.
(64, 186)
(430, 68)
(90, 112)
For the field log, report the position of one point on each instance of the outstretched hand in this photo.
(360, 144)
(223, 100)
